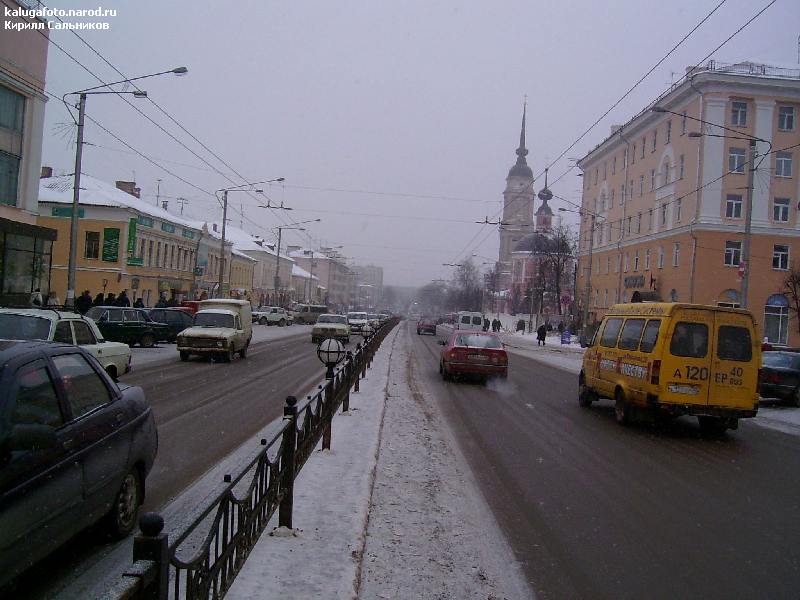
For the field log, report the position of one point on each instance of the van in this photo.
(222, 327)
(308, 313)
(672, 359)
(466, 319)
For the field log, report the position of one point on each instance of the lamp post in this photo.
(236, 188)
(330, 353)
(277, 281)
(76, 194)
(751, 161)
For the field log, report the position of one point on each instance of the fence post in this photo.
(348, 375)
(287, 460)
(152, 544)
(326, 433)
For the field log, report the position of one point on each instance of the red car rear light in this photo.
(655, 372)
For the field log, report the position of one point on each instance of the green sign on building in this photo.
(110, 244)
(65, 211)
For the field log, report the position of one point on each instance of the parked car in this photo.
(221, 328)
(177, 319)
(75, 449)
(331, 326)
(779, 376)
(68, 328)
(474, 354)
(272, 315)
(426, 325)
(129, 325)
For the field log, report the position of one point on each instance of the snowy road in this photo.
(594, 510)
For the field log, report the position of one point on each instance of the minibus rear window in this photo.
(631, 332)
(650, 336)
(609, 338)
(734, 343)
(690, 340)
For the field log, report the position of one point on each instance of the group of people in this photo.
(495, 325)
(85, 301)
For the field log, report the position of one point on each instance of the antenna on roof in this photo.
(158, 191)
(182, 201)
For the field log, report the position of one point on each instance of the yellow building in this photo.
(124, 243)
(665, 211)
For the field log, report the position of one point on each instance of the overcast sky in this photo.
(412, 107)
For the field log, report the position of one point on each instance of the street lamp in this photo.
(330, 353)
(76, 193)
(236, 188)
(277, 281)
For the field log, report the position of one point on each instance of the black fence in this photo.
(202, 561)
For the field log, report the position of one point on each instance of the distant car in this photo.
(272, 315)
(68, 328)
(357, 321)
(473, 353)
(177, 319)
(129, 325)
(779, 376)
(426, 325)
(374, 320)
(75, 449)
(331, 326)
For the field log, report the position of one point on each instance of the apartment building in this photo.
(25, 246)
(664, 210)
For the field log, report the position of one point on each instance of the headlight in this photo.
(220, 344)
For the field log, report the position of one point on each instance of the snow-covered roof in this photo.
(95, 192)
(302, 273)
(241, 239)
(306, 253)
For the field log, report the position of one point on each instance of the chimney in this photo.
(47, 172)
(129, 187)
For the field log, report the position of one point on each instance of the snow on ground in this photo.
(164, 352)
(430, 533)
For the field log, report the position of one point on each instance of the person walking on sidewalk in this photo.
(541, 334)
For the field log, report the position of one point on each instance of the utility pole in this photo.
(747, 224)
(222, 243)
(76, 195)
(277, 282)
(588, 291)
(158, 191)
(182, 201)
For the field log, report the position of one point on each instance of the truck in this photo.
(222, 328)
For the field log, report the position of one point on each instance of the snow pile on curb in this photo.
(331, 504)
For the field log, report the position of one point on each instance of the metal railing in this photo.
(204, 558)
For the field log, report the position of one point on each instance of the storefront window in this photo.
(24, 265)
(776, 319)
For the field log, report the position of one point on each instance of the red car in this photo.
(426, 325)
(475, 353)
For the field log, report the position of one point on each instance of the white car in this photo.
(272, 315)
(357, 321)
(331, 326)
(68, 328)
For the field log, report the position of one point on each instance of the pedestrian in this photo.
(162, 303)
(122, 299)
(53, 299)
(172, 302)
(111, 299)
(485, 324)
(98, 300)
(36, 298)
(541, 334)
(138, 303)
(84, 302)
(496, 325)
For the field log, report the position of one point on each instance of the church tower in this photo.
(518, 198)
(544, 214)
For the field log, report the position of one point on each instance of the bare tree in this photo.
(557, 256)
(792, 286)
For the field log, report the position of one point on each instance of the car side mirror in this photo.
(30, 437)
(442, 343)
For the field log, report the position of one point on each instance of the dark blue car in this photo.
(75, 448)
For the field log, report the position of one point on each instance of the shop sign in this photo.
(110, 244)
(134, 283)
(65, 211)
(634, 281)
(135, 261)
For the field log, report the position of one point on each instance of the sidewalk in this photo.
(389, 512)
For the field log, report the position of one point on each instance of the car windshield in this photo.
(357, 316)
(342, 320)
(95, 312)
(478, 340)
(780, 360)
(209, 319)
(24, 327)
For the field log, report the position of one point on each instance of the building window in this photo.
(736, 160)
(605, 171)
(783, 164)
(780, 210)
(641, 185)
(683, 123)
(650, 220)
(614, 166)
(617, 263)
(678, 207)
(652, 179)
(628, 228)
(780, 257)
(92, 247)
(611, 200)
(739, 114)
(669, 131)
(626, 263)
(776, 319)
(150, 253)
(12, 109)
(661, 257)
(622, 194)
(595, 176)
(644, 143)
(664, 215)
(786, 118)
(733, 253)
(647, 259)
(636, 261)
(676, 254)
(681, 166)
(633, 155)
(158, 254)
(655, 140)
(639, 223)
(9, 178)
(733, 206)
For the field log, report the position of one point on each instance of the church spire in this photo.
(521, 168)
